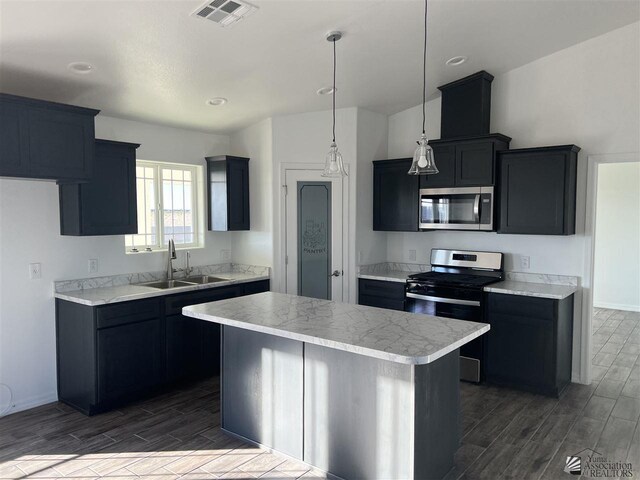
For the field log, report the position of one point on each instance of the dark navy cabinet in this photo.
(107, 205)
(395, 196)
(228, 192)
(45, 140)
(465, 162)
(529, 345)
(537, 193)
(378, 293)
(111, 354)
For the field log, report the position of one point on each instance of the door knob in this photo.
(336, 273)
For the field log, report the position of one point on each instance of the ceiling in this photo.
(156, 63)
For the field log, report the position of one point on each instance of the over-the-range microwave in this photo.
(464, 208)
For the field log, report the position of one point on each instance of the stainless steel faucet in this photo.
(172, 256)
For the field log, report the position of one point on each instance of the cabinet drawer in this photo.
(256, 287)
(380, 302)
(127, 312)
(174, 303)
(519, 305)
(379, 288)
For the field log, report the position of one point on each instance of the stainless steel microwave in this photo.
(465, 208)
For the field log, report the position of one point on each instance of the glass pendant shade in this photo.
(423, 162)
(333, 166)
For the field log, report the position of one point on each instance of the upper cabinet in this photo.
(395, 196)
(538, 190)
(228, 191)
(107, 205)
(468, 162)
(45, 140)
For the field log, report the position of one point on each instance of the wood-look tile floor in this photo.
(506, 434)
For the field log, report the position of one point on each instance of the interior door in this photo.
(313, 226)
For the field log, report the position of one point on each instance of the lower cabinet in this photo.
(529, 345)
(113, 354)
(378, 293)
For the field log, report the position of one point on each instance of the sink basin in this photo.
(202, 279)
(164, 284)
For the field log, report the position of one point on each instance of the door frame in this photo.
(593, 162)
(282, 211)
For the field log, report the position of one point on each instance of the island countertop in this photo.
(399, 337)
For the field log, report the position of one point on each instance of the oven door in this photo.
(458, 303)
(456, 208)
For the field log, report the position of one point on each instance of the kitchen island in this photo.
(356, 391)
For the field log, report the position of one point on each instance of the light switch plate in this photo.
(93, 265)
(525, 262)
(225, 254)
(35, 271)
(412, 255)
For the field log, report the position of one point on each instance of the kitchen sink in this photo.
(202, 279)
(164, 284)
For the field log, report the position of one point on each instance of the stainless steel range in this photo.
(454, 289)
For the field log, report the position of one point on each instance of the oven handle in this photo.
(473, 303)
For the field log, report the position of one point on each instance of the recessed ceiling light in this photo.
(455, 61)
(81, 68)
(326, 91)
(216, 102)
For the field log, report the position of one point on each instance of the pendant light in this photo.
(423, 162)
(333, 166)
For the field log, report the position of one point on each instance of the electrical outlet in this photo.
(360, 257)
(525, 262)
(225, 254)
(93, 265)
(412, 255)
(35, 271)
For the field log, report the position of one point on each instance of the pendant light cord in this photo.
(334, 91)
(424, 71)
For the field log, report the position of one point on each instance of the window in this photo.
(168, 198)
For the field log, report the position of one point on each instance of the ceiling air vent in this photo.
(225, 12)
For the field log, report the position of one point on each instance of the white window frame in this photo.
(197, 202)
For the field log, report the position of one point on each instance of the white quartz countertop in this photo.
(399, 337)
(124, 293)
(529, 289)
(391, 276)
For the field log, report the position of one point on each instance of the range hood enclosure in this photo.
(466, 106)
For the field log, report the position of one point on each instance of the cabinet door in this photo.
(130, 359)
(61, 144)
(520, 351)
(14, 140)
(209, 364)
(109, 200)
(532, 193)
(475, 164)
(183, 347)
(238, 192)
(395, 197)
(445, 158)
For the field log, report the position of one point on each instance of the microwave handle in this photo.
(476, 208)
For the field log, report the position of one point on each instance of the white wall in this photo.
(305, 138)
(255, 247)
(29, 232)
(617, 241)
(587, 94)
(371, 247)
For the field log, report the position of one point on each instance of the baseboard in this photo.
(617, 306)
(36, 401)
